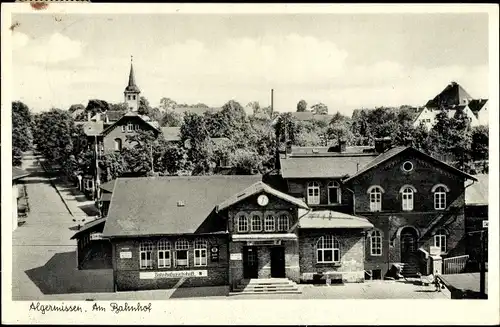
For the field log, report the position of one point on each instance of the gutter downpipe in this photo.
(353, 201)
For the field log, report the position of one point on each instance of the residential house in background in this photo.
(454, 99)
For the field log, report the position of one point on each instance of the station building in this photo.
(344, 213)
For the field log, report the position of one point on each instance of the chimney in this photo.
(408, 141)
(382, 144)
(89, 115)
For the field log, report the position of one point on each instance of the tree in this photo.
(285, 129)
(320, 109)
(171, 119)
(22, 136)
(144, 107)
(96, 106)
(112, 166)
(340, 129)
(480, 141)
(301, 106)
(75, 107)
(167, 104)
(195, 135)
(246, 162)
(122, 107)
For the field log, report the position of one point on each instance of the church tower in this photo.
(132, 91)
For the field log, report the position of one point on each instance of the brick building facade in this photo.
(344, 215)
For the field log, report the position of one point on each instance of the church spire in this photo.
(132, 87)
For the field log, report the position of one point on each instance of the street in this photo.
(44, 257)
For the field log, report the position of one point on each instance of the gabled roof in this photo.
(88, 226)
(477, 193)
(18, 173)
(323, 165)
(144, 206)
(129, 114)
(333, 219)
(453, 94)
(108, 186)
(256, 188)
(395, 151)
(171, 133)
(476, 105)
(114, 115)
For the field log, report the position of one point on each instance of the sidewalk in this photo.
(75, 201)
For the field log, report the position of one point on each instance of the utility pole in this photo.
(272, 103)
(97, 181)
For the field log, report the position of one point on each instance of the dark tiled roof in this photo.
(392, 152)
(324, 149)
(453, 94)
(88, 226)
(144, 118)
(476, 105)
(114, 115)
(328, 165)
(477, 193)
(258, 188)
(333, 219)
(171, 133)
(171, 205)
(18, 173)
(132, 87)
(108, 186)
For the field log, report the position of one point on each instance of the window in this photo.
(136, 127)
(128, 97)
(242, 224)
(440, 240)
(181, 253)
(375, 198)
(407, 199)
(256, 224)
(376, 243)
(408, 166)
(439, 197)
(130, 127)
(334, 195)
(283, 223)
(146, 255)
(200, 253)
(123, 128)
(269, 224)
(328, 249)
(164, 254)
(118, 144)
(134, 97)
(313, 193)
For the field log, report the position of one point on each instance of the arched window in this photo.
(118, 144)
(407, 198)
(256, 225)
(313, 193)
(375, 198)
(327, 249)
(130, 127)
(181, 253)
(440, 240)
(334, 193)
(283, 223)
(200, 253)
(376, 243)
(440, 191)
(164, 259)
(269, 223)
(242, 224)
(146, 255)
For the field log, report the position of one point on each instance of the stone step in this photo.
(266, 287)
(270, 281)
(250, 293)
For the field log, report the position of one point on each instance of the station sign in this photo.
(172, 274)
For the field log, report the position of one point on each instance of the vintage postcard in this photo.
(249, 164)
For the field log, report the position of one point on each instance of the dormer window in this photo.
(130, 127)
(313, 193)
(334, 193)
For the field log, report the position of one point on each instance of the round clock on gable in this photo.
(262, 200)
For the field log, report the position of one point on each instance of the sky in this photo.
(346, 61)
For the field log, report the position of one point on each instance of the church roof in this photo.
(132, 87)
(453, 94)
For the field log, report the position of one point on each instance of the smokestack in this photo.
(272, 101)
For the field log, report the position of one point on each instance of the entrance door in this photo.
(250, 262)
(408, 244)
(278, 262)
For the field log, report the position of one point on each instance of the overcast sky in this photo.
(345, 61)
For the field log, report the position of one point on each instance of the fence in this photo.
(455, 265)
